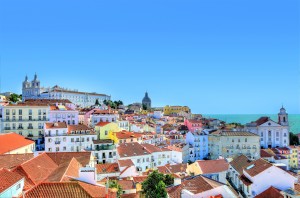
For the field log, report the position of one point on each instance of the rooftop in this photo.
(12, 141)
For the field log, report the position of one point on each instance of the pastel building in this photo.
(103, 116)
(199, 142)
(11, 185)
(60, 137)
(174, 110)
(193, 125)
(64, 113)
(229, 144)
(12, 143)
(33, 90)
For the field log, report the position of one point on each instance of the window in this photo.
(49, 140)
(64, 139)
(246, 140)
(20, 111)
(50, 149)
(30, 111)
(106, 132)
(18, 186)
(56, 132)
(65, 148)
(57, 149)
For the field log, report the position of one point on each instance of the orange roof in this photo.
(213, 166)
(257, 167)
(239, 163)
(125, 163)
(126, 184)
(101, 124)
(8, 179)
(131, 149)
(63, 157)
(270, 192)
(55, 125)
(139, 179)
(36, 170)
(107, 168)
(154, 149)
(79, 127)
(67, 190)
(127, 135)
(12, 141)
(10, 161)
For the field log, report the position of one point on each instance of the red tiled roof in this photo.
(270, 192)
(174, 191)
(262, 120)
(153, 149)
(168, 169)
(79, 127)
(213, 166)
(245, 180)
(266, 153)
(131, 149)
(36, 170)
(127, 135)
(12, 141)
(107, 168)
(239, 163)
(8, 179)
(132, 195)
(68, 190)
(126, 184)
(257, 166)
(63, 157)
(101, 124)
(55, 125)
(139, 179)
(125, 163)
(10, 161)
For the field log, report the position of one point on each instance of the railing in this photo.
(99, 148)
(29, 135)
(20, 128)
(57, 142)
(6, 128)
(30, 127)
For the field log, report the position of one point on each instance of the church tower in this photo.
(147, 101)
(283, 117)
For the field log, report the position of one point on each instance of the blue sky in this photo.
(216, 56)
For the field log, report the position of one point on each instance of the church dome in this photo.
(146, 99)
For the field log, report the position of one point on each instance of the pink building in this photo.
(64, 113)
(193, 125)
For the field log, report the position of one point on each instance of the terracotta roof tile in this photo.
(101, 124)
(125, 163)
(153, 149)
(239, 163)
(55, 125)
(10, 161)
(67, 190)
(79, 127)
(257, 166)
(13, 141)
(131, 149)
(270, 192)
(107, 168)
(245, 180)
(213, 166)
(36, 170)
(62, 157)
(126, 184)
(8, 179)
(139, 179)
(127, 135)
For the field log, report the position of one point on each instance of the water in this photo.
(294, 119)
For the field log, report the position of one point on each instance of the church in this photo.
(272, 134)
(146, 101)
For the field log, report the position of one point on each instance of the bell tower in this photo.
(283, 117)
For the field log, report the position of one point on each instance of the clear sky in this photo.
(216, 56)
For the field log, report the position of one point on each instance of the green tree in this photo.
(97, 102)
(155, 185)
(14, 97)
(115, 184)
(169, 180)
(294, 140)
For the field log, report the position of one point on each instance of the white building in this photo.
(103, 116)
(254, 177)
(104, 151)
(199, 142)
(272, 134)
(160, 156)
(64, 113)
(180, 153)
(59, 137)
(134, 151)
(33, 90)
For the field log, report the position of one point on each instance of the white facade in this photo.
(14, 191)
(59, 140)
(142, 162)
(96, 118)
(160, 158)
(221, 190)
(199, 143)
(272, 134)
(123, 124)
(64, 113)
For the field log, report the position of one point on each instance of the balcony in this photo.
(7, 128)
(29, 135)
(100, 148)
(19, 128)
(30, 127)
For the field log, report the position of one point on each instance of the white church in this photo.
(272, 134)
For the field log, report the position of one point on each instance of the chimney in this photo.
(177, 181)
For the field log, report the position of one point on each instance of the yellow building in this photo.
(293, 157)
(12, 143)
(125, 137)
(25, 119)
(104, 128)
(169, 110)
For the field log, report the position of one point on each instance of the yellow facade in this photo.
(25, 149)
(104, 131)
(25, 120)
(293, 158)
(168, 110)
